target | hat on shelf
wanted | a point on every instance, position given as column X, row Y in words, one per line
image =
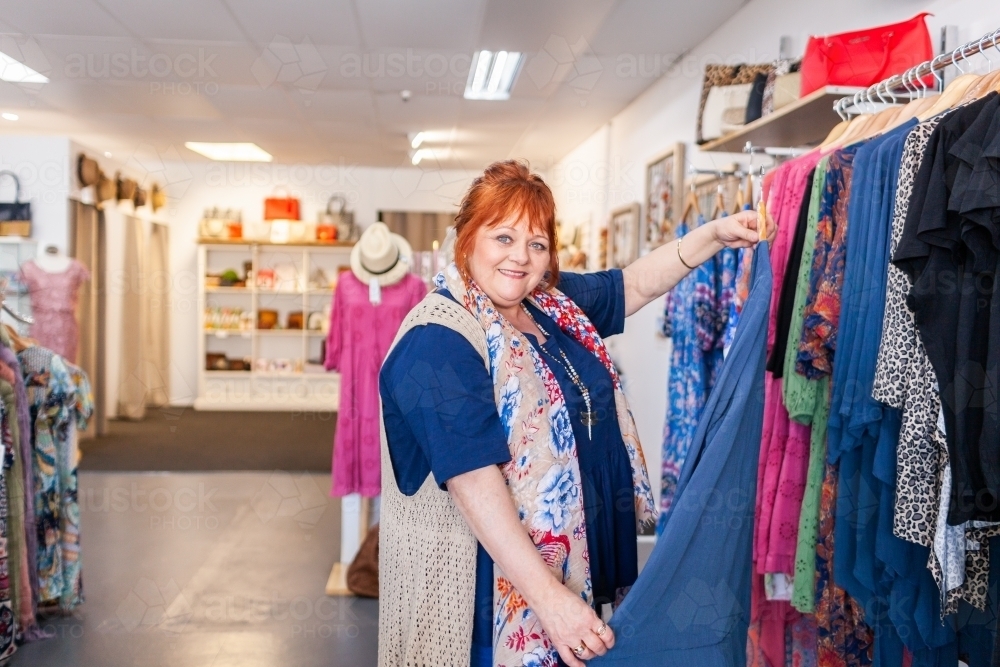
column 382, row 255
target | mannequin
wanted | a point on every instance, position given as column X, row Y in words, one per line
column 53, row 260
column 53, row 281
column 370, row 303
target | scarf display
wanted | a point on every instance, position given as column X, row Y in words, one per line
column 544, row 472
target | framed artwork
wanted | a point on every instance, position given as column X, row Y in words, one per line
column 664, row 183
column 624, row 230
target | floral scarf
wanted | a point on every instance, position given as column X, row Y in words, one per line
column 544, row 473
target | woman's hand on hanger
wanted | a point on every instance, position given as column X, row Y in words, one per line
column 657, row 273
column 740, row 230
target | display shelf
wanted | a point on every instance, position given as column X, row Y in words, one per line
column 229, row 333
column 805, row 122
column 299, row 244
column 228, row 290
column 270, row 391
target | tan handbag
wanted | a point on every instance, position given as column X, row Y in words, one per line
column 126, row 187
column 139, row 198
column 87, row 170
column 105, row 189
column 157, row 197
column 362, row 575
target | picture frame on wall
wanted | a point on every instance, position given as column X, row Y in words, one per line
column 664, row 185
column 624, row 231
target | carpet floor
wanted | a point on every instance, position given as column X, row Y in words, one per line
column 176, row 439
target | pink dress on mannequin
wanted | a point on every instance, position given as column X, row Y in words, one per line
column 53, row 305
column 359, row 339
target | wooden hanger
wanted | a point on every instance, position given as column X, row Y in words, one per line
column 719, row 209
column 17, row 342
column 835, row 133
column 691, row 203
column 739, row 201
column 879, row 124
column 951, row 96
column 853, row 131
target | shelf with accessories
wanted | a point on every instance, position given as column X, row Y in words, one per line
column 286, row 286
column 803, row 123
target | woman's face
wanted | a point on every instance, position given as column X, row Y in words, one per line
column 508, row 261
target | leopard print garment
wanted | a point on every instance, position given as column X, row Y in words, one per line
column 905, row 380
column 726, row 75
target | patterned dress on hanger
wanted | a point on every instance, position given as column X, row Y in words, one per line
column 53, row 305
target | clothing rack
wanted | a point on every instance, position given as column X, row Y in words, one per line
column 911, row 83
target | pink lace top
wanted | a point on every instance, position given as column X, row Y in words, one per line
column 53, row 305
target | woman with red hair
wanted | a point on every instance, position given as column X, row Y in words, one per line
column 513, row 479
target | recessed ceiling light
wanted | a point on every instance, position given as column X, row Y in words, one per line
column 229, row 152
column 418, row 139
column 9, row 116
column 492, row 75
column 15, row 71
column 107, row 153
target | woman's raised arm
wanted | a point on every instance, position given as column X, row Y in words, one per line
column 654, row 275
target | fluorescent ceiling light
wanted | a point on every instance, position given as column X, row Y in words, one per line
column 234, row 152
column 418, row 139
column 9, row 116
column 422, row 154
column 492, row 75
column 15, row 71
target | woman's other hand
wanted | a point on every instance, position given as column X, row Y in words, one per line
column 740, row 230
column 570, row 623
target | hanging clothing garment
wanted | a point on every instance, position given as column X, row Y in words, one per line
column 61, row 402
column 688, row 607
column 53, row 305
column 691, row 325
column 359, row 338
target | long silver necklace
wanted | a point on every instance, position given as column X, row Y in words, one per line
column 588, row 417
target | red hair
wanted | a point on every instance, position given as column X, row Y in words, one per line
column 507, row 189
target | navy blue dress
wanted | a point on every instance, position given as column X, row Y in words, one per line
column 441, row 418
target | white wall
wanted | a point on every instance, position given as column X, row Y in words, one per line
column 608, row 169
column 193, row 187
column 42, row 165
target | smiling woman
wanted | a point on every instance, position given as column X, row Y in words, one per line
column 513, row 478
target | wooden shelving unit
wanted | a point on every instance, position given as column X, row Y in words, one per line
column 805, row 122
column 307, row 390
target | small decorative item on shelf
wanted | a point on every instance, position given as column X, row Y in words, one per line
column 281, row 208
column 221, row 224
column 229, row 278
column 315, row 321
column 239, row 364
column 320, row 281
column 213, row 280
column 228, row 319
column 295, row 320
column 341, row 220
column 283, row 366
column 265, row 279
column 267, row 319
column 215, row 361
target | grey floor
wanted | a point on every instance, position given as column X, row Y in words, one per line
column 208, row 570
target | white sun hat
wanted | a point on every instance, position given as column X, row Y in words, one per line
column 380, row 255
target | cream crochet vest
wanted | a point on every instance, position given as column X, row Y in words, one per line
column 427, row 552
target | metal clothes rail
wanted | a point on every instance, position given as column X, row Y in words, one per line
column 912, row 82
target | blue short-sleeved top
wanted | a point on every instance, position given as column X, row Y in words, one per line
column 441, row 419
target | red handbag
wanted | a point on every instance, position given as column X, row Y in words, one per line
column 865, row 57
column 281, row 208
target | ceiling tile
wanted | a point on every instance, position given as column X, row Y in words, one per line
column 528, row 25
column 448, row 25
column 315, row 22
column 80, row 17
column 178, row 19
